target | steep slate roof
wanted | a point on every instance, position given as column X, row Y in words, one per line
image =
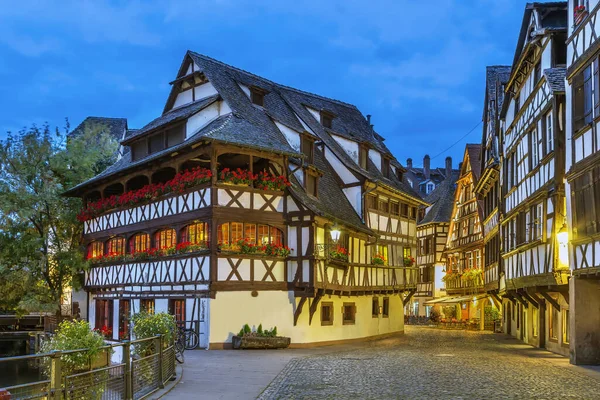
column 177, row 114
column 556, row 78
column 332, row 203
column 474, row 151
column 442, row 200
column 115, row 127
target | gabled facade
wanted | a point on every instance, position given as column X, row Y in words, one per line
column 432, row 236
column 583, row 179
column 251, row 202
column 533, row 199
column 464, row 249
column 488, row 186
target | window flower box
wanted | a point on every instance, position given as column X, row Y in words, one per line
column 378, row 259
column 580, row 13
column 340, row 253
column 409, row 261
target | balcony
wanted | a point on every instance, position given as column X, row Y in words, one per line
column 462, row 284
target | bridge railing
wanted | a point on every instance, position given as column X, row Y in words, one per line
column 128, row 370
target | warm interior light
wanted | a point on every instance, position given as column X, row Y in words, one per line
column 562, row 237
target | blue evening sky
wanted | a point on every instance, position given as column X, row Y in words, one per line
column 417, row 66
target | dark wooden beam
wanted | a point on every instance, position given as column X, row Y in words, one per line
column 410, row 295
column 496, row 297
column 530, row 299
column 550, row 300
column 313, row 306
column 299, row 309
column 520, row 299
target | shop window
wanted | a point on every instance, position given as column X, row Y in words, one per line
column 375, row 307
column 124, row 316
column 95, row 249
column 104, row 314
column 386, row 307
column 327, row 313
column 349, row 314
column 196, row 233
column 115, row 246
column 139, row 242
column 147, row 306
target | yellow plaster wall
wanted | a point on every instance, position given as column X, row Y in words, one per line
column 229, row 311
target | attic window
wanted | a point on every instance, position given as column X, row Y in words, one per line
column 326, row 119
column 385, row 167
column 310, row 183
column 363, row 154
column 307, row 148
column 257, row 96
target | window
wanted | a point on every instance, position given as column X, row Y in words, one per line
column 139, row 149
column 156, row 143
column 115, row 246
column 404, row 210
column 537, row 221
column 139, row 242
column 394, row 208
column 165, row 238
column 386, row 307
column 371, row 202
column 477, row 259
column 104, row 314
column 349, row 314
column 536, row 146
column 196, row 233
column 385, row 167
column 232, row 232
column 95, row 249
column 537, row 73
column 147, row 306
column 586, row 203
column 310, row 182
column 553, row 323
column 363, row 154
column 383, row 205
column 582, row 98
column 327, row 313
column 257, row 96
column 406, row 252
column 382, row 250
column 326, row 119
column 565, row 327
column 307, row 148
column 535, row 318
column 429, row 188
column 517, row 105
column 549, row 133
column 177, row 309
column 124, row 315
column 175, row 135
column 375, row 307
column 469, row 259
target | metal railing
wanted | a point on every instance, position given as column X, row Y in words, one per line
column 144, row 367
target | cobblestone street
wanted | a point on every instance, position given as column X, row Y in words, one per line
column 430, row 363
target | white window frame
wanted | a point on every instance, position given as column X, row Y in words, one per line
column 549, row 133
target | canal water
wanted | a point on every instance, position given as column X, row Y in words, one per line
column 16, row 372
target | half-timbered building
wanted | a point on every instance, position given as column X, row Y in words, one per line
column 464, row 246
column 432, row 236
column 425, row 179
column 488, row 186
column 535, row 308
column 248, row 201
column 583, row 179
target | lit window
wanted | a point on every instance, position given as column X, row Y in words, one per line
column 95, row 249
column 196, row 233
column 565, row 327
column 116, row 246
column 139, row 242
column 165, row 238
column 147, row 306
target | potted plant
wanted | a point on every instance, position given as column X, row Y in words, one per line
column 340, row 253
column 259, row 339
column 378, row 259
column 409, row 261
column 579, row 14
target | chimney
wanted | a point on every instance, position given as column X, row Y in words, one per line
column 460, row 166
column 409, row 163
column 426, row 165
column 448, row 167
column 369, row 118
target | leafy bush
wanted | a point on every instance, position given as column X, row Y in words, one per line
column 260, row 332
column 450, row 311
column 149, row 325
column 74, row 335
column 491, row 313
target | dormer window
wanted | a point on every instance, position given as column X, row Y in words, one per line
column 307, row 148
column 257, row 96
column 310, row 183
column 385, row 166
column 327, row 119
column 363, row 155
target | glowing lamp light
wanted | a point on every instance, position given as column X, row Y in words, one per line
column 335, row 234
column 563, row 235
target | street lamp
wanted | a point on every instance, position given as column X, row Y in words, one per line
column 335, row 233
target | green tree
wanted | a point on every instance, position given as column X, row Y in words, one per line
column 39, row 234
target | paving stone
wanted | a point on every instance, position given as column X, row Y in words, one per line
column 429, row 363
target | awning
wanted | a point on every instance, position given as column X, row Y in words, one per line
column 459, row 299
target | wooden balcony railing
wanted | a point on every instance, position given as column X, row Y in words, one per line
column 460, row 285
